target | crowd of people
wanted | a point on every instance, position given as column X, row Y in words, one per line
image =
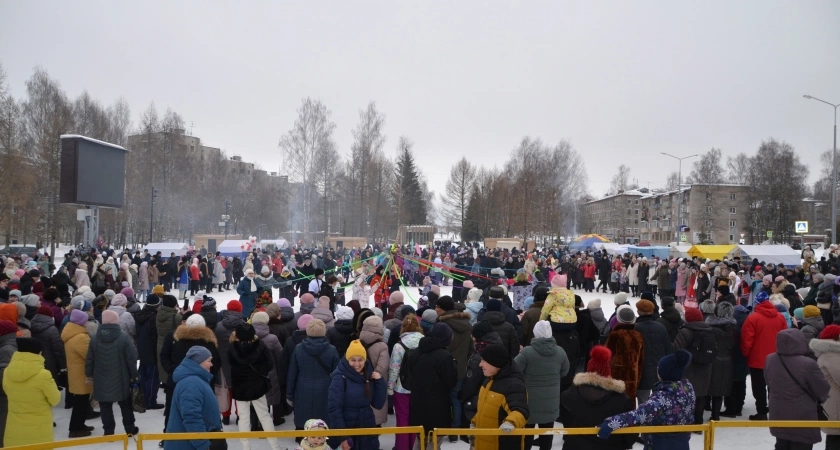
column 512, row 347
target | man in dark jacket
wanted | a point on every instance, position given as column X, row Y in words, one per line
column 657, row 345
column 498, row 293
column 147, row 337
column 433, row 377
column 459, row 347
column 497, row 321
column 670, row 318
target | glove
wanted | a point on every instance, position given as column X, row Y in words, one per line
column 507, row 427
column 605, row 431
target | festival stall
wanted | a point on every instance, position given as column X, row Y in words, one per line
column 650, row 252
column 587, row 241
column 712, row 252
column 235, row 247
column 776, row 254
column 167, row 248
column 279, row 244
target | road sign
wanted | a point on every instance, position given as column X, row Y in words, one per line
column 683, row 237
column 769, row 235
column 801, row 226
column 742, row 236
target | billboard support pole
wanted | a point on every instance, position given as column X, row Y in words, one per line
column 91, row 226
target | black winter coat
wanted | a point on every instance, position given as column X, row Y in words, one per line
column 146, row 328
column 286, row 357
column 211, row 317
column 340, row 335
column 590, row 401
column 587, row 332
column 657, row 345
column 510, row 315
column 722, row 368
column 673, row 322
column 433, row 375
column 505, row 331
column 278, row 328
column 250, row 363
column 475, row 377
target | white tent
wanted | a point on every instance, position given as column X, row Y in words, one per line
column 279, row 243
column 608, row 246
column 776, row 254
column 680, row 251
column 232, row 247
column 167, row 248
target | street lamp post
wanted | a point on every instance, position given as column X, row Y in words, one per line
column 152, row 214
column 833, row 172
column 679, row 190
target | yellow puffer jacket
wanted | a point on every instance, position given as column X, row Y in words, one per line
column 76, row 343
column 32, row 394
column 502, row 398
column 559, row 307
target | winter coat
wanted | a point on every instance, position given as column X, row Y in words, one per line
column 600, row 322
column 143, row 283
column 250, row 366
column 218, row 273
column 700, row 375
column 273, row 396
column 520, row 291
column 340, row 335
column 406, row 342
column 277, row 327
column 76, row 343
column 786, row 399
column 682, row 282
column 543, row 363
column 663, row 278
column 461, row 338
column 670, row 403
column 127, row 323
column 43, row 329
column 353, row 399
column 633, row 274
column 672, row 320
column 505, row 331
column 324, row 314
column 226, row 326
column 758, row 334
column 286, row 358
column 81, row 278
column 211, row 317
column 432, row 377
column 529, row 319
column 112, row 363
column 377, row 353
column 308, row 382
column 627, row 346
column 812, row 327
column 726, row 336
column 474, row 378
column 194, row 406
column 145, row 321
column 510, row 315
column 166, row 321
column 559, row 307
column 502, row 398
column 657, row 344
column 305, row 308
column 246, row 297
column 828, row 359
column 287, row 315
column 587, row 404
column 8, row 347
column 474, row 309
column 184, row 338
column 32, row 393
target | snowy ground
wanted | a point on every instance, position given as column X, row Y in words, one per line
column 152, row 421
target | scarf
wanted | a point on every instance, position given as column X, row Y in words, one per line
column 253, row 285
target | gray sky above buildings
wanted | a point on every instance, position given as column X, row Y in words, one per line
column 622, row 81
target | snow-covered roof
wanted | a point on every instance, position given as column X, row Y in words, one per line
column 95, row 141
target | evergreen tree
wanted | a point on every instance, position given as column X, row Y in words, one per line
column 470, row 229
column 410, row 199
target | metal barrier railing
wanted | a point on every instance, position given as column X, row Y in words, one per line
column 75, row 443
column 714, row 425
column 705, row 429
column 279, row 434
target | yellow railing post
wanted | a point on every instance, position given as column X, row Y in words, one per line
column 80, row 442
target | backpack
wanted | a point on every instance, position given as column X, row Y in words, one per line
column 409, row 354
column 704, row 347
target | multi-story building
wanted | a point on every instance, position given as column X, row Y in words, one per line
column 702, row 214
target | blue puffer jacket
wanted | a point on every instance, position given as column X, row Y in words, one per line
column 349, row 407
column 308, row 383
column 194, row 406
column 246, row 297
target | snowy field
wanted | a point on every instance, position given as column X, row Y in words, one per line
column 152, row 421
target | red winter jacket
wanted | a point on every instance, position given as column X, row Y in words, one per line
column 589, row 271
column 758, row 335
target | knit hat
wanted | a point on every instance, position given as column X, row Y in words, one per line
column 496, row 292
column 234, row 305
column 198, row 354
column 693, row 315
column 245, row 332
column 128, row 292
column 15, row 293
column 671, row 367
column 119, row 300
column 80, row 318
column 303, row 321
column 396, row 297
column 109, row 294
column 430, row 316
column 781, row 308
column 473, row 295
column 31, row 300
column 761, row 297
column 542, row 329
column 599, row 361
column 442, row 333
column 647, row 295
column 152, row 300
column 707, row 306
column 644, row 307
column 8, row 327
column 668, row 302
column 208, row 304
column 725, row 310
column 89, row 296
column 196, row 320
column 45, row 311
column 830, row 332
column 723, row 289
column 625, row 314
column 355, row 349
column 407, row 310
column 496, row 355
column 447, row 304
column 284, row 303
column 594, row 304
column 51, row 294
column 481, row 329
column 260, row 317
column 468, row 284
column 307, row 298
column 170, row 301
column 316, row 328
column 376, row 311
column 810, row 311
column 768, row 278
column 798, row 313
column 559, row 280
column 435, row 289
column 620, row 299
column 82, row 290
column 29, row 345
column 345, row 313
column 109, row 316
column 493, row 305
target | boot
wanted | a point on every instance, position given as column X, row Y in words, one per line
column 728, row 413
column 758, row 416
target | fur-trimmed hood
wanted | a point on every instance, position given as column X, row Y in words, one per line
column 593, row 379
column 820, row 346
column 195, row 333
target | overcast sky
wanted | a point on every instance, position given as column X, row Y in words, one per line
column 622, row 81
